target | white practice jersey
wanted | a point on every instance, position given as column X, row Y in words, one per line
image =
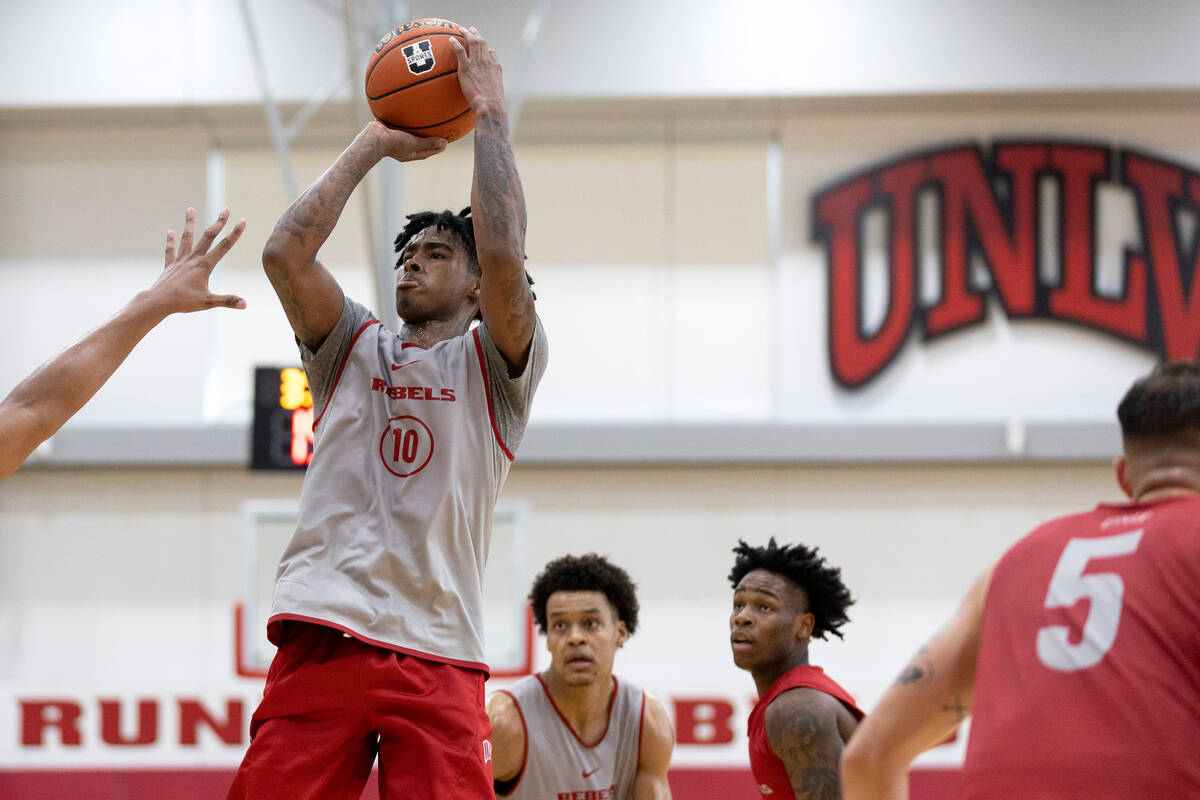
column 410, row 451
column 557, row 762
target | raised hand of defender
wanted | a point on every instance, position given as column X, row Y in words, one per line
column 479, row 73
column 401, row 145
column 183, row 284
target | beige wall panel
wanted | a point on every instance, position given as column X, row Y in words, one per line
column 96, row 191
column 719, row 202
column 441, row 182
column 595, row 203
column 135, row 566
column 254, row 182
column 608, row 340
column 720, row 364
column 583, row 122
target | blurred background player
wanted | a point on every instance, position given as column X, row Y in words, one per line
column 575, row 730
column 782, row 597
column 1078, row 652
column 378, row 606
column 39, row 405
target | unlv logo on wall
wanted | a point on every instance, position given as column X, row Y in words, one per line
column 419, row 56
column 989, row 209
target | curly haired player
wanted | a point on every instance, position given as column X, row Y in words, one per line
column 782, row 597
column 575, row 730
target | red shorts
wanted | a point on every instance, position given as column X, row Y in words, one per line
column 331, row 703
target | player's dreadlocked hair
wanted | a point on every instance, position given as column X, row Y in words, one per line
column 1164, row 403
column 460, row 223
column 447, row 220
column 828, row 597
column 587, row 573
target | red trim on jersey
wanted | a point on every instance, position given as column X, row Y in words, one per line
column 641, row 726
column 341, row 367
column 408, row 651
column 487, row 389
column 612, row 701
column 406, row 345
column 524, row 755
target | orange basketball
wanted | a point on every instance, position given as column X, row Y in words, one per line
column 412, row 80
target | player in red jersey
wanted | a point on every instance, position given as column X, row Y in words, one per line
column 782, row 597
column 1078, row 652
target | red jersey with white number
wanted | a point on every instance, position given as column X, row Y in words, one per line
column 1088, row 682
column 769, row 772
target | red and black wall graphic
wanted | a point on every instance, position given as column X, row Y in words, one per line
column 989, row 210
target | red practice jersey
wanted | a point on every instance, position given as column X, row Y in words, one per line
column 769, row 772
column 1088, row 682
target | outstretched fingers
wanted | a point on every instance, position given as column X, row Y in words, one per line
column 218, row 252
column 210, row 233
column 169, row 255
column 189, row 226
column 227, row 243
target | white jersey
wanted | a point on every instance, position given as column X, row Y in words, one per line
column 410, row 451
column 557, row 762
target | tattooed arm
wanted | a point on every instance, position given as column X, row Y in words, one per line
column 802, row 728
column 497, row 207
column 310, row 296
column 931, row 696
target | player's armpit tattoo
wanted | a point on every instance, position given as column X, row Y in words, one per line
column 910, row 674
column 917, row 670
column 920, row 668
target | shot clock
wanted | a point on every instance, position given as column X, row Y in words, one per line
column 283, row 417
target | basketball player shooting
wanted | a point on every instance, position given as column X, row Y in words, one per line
column 575, row 730
column 1078, row 653
column 42, row 403
column 378, row 606
column 782, row 597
